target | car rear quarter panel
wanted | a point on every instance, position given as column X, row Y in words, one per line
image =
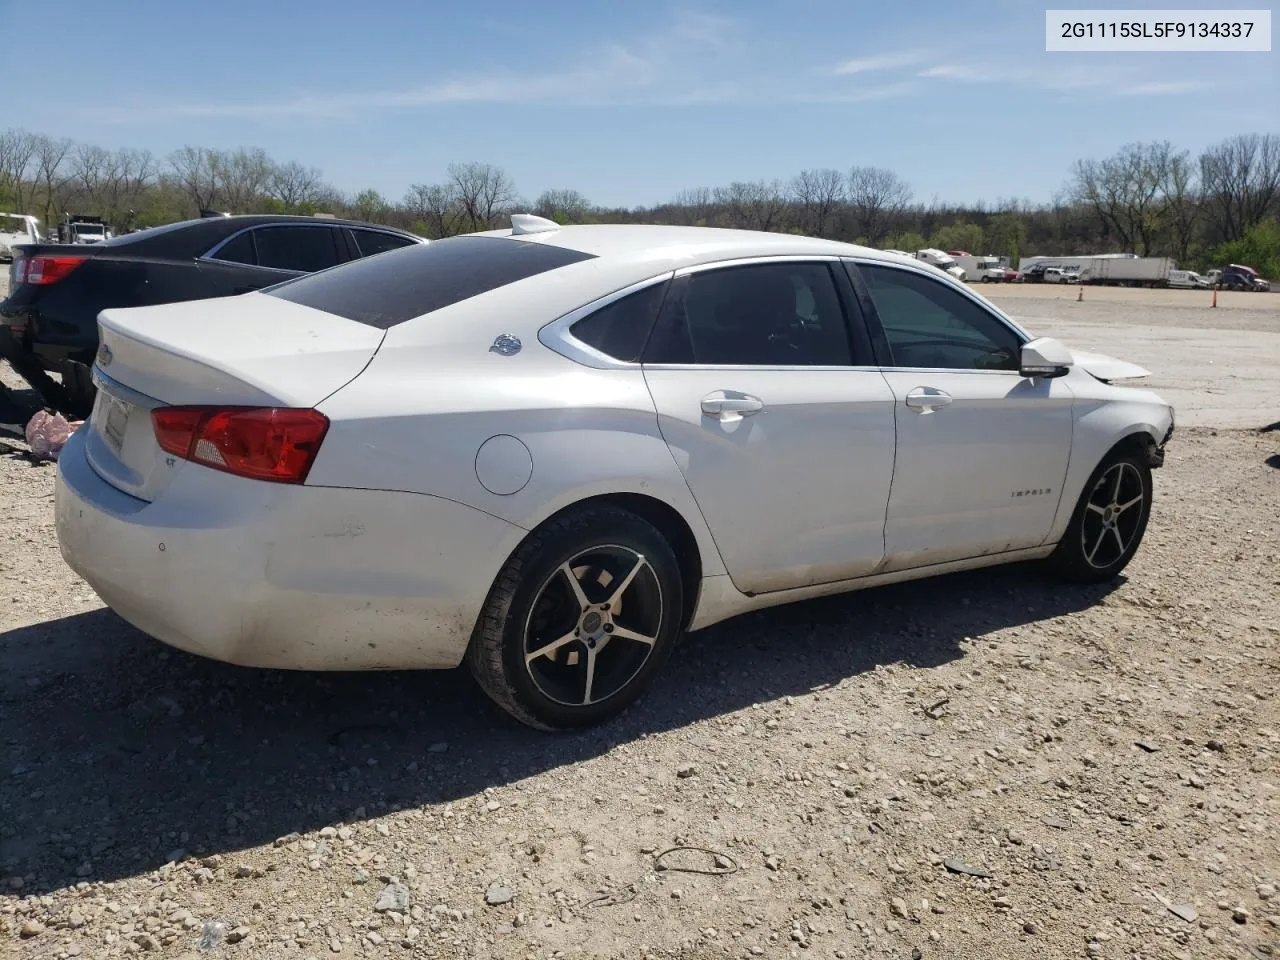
column 416, row 419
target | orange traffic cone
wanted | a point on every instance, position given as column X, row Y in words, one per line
column 1215, row 297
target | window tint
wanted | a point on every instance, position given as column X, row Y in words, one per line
column 422, row 277
column 928, row 324
column 369, row 242
column 238, row 250
column 776, row 314
column 296, row 248
column 620, row 329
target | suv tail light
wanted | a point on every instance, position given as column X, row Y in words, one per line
column 262, row 443
column 42, row 270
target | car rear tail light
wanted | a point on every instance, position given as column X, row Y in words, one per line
column 262, row 443
column 42, row 270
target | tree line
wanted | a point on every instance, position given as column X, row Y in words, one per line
column 1147, row 198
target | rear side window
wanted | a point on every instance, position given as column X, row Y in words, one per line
column 306, row 249
column 620, row 329
column 369, row 242
column 238, row 250
column 423, row 277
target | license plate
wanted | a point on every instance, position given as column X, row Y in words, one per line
column 117, row 420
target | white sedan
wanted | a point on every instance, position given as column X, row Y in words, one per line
column 550, row 451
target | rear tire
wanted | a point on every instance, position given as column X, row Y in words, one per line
column 580, row 620
column 1109, row 520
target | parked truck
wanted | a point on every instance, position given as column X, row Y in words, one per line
column 942, row 260
column 1116, row 269
column 1236, row 276
column 988, row 269
column 82, row 228
column 17, row 228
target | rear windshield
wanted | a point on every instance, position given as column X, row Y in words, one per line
column 124, row 239
column 399, row 285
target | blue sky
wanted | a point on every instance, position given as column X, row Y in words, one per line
column 628, row 103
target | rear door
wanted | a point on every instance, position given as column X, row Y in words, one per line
column 982, row 451
column 769, row 400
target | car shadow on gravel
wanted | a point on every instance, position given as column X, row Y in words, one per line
column 123, row 752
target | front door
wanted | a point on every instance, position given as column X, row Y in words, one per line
column 780, row 423
column 982, row 451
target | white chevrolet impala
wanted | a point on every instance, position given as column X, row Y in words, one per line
column 551, row 451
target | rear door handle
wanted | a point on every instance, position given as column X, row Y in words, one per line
column 731, row 405
column 927, row 399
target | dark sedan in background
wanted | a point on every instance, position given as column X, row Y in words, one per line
column 49, row 321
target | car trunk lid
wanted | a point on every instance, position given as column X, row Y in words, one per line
column 252, row 350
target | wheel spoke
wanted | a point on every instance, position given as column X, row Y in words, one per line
column 1132, row 503
column 591, row 675
column 1119, row 539
column 1115, row 487
column 625, row 634
column 1101, row 536
column 550, row 648
column 626, row 581
column 1095, row 508
column 578, row 594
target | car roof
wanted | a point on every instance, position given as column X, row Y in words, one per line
column 192, row 238
column 656, row 247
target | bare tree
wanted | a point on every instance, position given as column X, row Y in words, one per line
column 876, row 196
column 436, row 206
column 483, row 192
column 1241, row 180
column 17, row 150
column 243, row 177
column 50, row 156
column 819, row 193
column 755, row 205
column 111, row 183
column 692, row 207
column 196, row 169
column 1124, row 191
column 294, row 185
column 1182, row 203
column 563, row 206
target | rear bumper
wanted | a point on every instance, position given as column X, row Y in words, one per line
column 274, row 575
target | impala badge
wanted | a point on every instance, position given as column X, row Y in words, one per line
column 104, row 356
column 505, row 345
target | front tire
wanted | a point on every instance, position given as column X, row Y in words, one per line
column 1109, row 520
column 580, row 620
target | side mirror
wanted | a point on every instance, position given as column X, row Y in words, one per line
column 1045, row 357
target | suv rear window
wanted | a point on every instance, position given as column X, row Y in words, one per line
column 399, row 285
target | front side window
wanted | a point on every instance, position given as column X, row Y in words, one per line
column 305, row 249
column 930, row 325
column 771, row 314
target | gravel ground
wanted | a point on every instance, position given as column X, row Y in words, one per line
column 1014, row 769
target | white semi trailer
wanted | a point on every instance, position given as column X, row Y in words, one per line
column 1120, row 270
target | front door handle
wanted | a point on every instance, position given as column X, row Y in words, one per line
column 731, row 405
column 927, row 399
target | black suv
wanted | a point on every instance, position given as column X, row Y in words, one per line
column 49, row 322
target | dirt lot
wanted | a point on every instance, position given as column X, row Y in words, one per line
column 1108, row 759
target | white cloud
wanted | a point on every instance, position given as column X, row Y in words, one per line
column 963, row 72
column 884, row 91
column 1166, row 88
column 888, row 61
